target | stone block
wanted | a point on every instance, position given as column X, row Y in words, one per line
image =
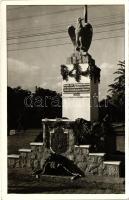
column 92, row 169
column 111, row 168
column 79, row 158
column 70, row 150
column 45, row 155
column 94, row 164
column 12, row 132
column 41, row 148
column 71, row 135
column 10, row 163
column 32, row 163
column 33, row 148
column 33, row 155
column 36, row 164
column 25, row 157
column 17, row 164
column 23, row 154
column 100, row 169
column 27, row 162
column 77, row 150
column 13, row 161
column 85, row 149
column 22, row 162
column 82, row 166
column 96, row 157
column 39, row 155
column 37, row 146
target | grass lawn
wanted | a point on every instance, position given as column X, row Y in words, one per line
column 21, row 181
column 21, row 140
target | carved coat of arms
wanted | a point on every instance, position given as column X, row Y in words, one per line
column 59, row 141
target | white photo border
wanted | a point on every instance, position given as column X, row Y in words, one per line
column 3, row 101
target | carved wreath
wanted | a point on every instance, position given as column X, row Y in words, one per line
column 76, row 72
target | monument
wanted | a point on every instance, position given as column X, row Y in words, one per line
column 80, row 75
column 60, row 148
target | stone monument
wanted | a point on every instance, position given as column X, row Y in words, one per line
column 80, row 76
column 60, row 148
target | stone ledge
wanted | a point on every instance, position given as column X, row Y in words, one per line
column 57, row 120
column 97, row 154
column 112, row 162
column 25, row 150
column 82, row 146
column 52, row 131
column 36, row 143
column 15, row 156
column 66, row 132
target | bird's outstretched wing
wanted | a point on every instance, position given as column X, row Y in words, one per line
column 87, row 36
column 71, row 32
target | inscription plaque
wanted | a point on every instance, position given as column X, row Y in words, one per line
column 78, row 96
column 76, row 88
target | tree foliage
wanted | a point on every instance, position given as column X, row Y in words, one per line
column 26, row 109
column 116, row 97
column 117, row 89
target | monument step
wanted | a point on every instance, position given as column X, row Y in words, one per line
column 81, row 150
column 25, row 158
column 89, row 163
column 97, row 154
column 83, row 146
column 15, row 156
column 25, row 150
column 36, row 143
column 112, row 168
column 112, row 162
column 13, row 160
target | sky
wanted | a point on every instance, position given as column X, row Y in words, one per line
column 38, row 43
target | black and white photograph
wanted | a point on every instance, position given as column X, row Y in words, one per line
column 65, row 98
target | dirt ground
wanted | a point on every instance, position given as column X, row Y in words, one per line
column 21, row 181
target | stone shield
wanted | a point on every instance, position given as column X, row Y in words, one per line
column 59, row 141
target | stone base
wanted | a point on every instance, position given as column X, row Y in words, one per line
column 88, row 163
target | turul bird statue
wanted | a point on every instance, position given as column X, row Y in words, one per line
column 81, row 36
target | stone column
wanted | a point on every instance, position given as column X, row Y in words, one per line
column 80, row 87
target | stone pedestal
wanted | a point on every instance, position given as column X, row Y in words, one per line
column 80, row 88
column 60, row 141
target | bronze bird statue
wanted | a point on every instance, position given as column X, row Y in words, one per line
column 81, row 36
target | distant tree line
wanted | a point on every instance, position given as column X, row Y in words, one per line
column 26, row 109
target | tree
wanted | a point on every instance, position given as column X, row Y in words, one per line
column 26, row 109
column 15, row 107
column 117, row 90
